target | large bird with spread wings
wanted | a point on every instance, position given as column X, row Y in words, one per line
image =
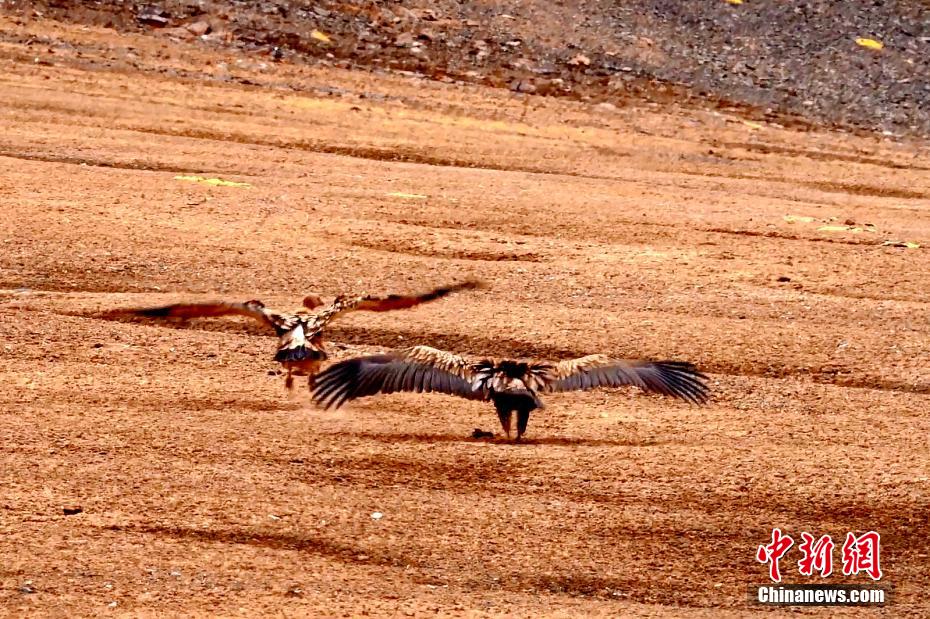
column 513, row 386
column 300, row 334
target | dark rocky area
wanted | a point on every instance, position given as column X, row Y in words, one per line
column 769, row 57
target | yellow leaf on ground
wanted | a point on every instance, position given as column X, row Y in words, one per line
column 400, row 194
column 752, row 125
column 734, row 1
column 869, row 43
column 320, row 36
column 216, row 182
column 802, row 218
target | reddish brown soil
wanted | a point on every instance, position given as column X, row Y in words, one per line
column 650, row 232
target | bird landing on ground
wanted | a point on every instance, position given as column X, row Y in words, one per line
column 301, row 350
column 512, row 385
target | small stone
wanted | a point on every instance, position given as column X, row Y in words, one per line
column 579, row 60
column 522, row 86
column 377, row 515
column 198, row 28
column 71, row 510
column 783, row 278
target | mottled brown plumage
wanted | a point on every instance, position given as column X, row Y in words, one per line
column 300, row 334
column 510, row 385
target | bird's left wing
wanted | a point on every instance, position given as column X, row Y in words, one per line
column 418, row 369
column 679, row 379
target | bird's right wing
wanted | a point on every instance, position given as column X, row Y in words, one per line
column 678, row 379
column 207, row 310
column 418, row 369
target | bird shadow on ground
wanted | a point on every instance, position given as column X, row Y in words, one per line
column 564, row 441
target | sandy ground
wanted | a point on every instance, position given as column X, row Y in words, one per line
column 640, row 232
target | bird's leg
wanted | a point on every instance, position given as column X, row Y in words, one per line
column 311, row 374
column 505, row 417
column 289, row 381
column 523, row 418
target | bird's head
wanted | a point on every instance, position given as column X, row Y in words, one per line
column 312, row 301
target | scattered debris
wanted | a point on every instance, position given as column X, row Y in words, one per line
column 579, row 60
column 216, row 182
column 400, row 194
column 198, row 28
column 848, row 228
column 320, row 36
column 869, row 43
column 153, row 16
column 905, row 244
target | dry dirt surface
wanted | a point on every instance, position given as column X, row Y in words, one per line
column 152, row 470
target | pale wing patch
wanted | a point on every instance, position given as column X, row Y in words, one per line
column 441, row 360
column 566, row 368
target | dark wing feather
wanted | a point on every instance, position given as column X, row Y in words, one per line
column 366, row 376
column 400, row 301
column 678, row 379
column 202, row 310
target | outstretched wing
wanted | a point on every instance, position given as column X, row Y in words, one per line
column 679, row 379
column 418, row 369
column 389, row 303
column 398, row 301
column 214, row 309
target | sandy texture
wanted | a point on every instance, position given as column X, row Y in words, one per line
column 205, row 490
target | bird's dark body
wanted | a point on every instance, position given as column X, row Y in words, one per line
column 522, row 402
column 300, row 353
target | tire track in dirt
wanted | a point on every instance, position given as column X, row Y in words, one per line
column 768, row 148
column 398, row 154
